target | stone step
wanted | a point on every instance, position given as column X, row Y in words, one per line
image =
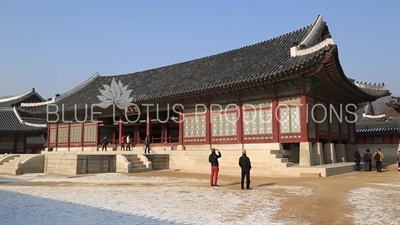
column 139, row 170
column 135, row 160
column 276, row 152
column 278, row 156
column 18, row 159
column 310, row 174
column 279, row 160
column 288, row 164
column 138, row 166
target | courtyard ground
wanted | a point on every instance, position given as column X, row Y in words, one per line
column 177, row 197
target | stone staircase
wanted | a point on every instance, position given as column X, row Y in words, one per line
column 277, row 159
column 137, row 166
column 9, row 165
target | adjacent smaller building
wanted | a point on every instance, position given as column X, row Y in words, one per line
column 380, row 130
column 21, row 132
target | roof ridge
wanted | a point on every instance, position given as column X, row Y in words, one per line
column 34, row 104
column 373, row 116
column 313, row 42
column 365, row 85
column 217, row 54
column 16, row 96
column 77, row 88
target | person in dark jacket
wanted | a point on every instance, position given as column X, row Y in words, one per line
column 245, row 165
column 147, row 144
column 213, row 159
column 367, row 158
column 104, row 143
column 357, row 159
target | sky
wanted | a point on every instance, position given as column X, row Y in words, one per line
column 56, row 45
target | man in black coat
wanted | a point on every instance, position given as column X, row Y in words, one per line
column 147, row 144
column 104, row 143
column 245, row 165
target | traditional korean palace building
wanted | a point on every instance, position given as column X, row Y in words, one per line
column 276, row 95
column 20, row 132
column 382, row 131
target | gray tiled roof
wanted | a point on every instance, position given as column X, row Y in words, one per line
column 390, row 126
column 13, row 100
column 255, row 64
column 9, row 122
column 394, row 103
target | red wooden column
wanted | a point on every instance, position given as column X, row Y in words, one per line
column 97, row 136
column 208, row 124
column 15, row 146
column 25, row 145
column 181, row 127
column 48, row 135
column 164, row 132
column 82, row 134
column 303, row 117
column 351, row 128
column 148, row 124
column 120, row 128
column 239, row 124
column 340, row 125
column 315, row 114
column 113, row 141
column 275, row 120
column 69, row 136
column 57, row 136
column 136, row 134
column 328, row 116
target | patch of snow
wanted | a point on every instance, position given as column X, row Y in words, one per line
column 102, row 178
column 350, row 177
column 294, row 190
column 393, row 184
column 376, row 205
column 136, row 205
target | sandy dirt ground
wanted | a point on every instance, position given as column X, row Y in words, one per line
column 328, row 204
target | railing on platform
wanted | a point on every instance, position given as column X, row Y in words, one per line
column 154, row 140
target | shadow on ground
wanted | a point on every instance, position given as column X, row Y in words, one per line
column 4, row 180
column 263, row 185
column 50, row 211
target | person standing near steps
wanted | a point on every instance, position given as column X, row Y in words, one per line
column 213, row 159
column 245, row 165
column 147, row 144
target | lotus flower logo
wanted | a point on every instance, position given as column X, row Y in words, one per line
column 116, row 94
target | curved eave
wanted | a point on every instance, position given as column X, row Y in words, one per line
column 336, row 73
column 371, row 128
